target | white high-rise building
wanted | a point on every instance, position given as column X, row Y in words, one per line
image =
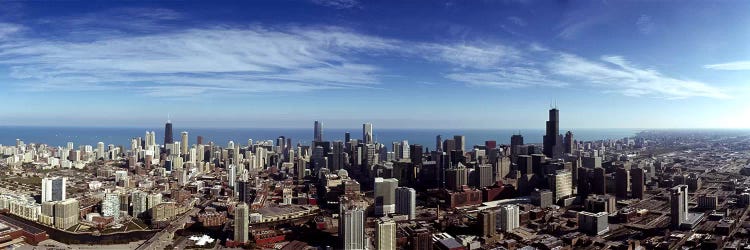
column 184, row 144
column 66, row 213
column 241, row 223
column 385, row 196
column 508, row 218
column 152, row 200
column 405, row 154
column 100, row 150
column 678, row 199
column 406, row 200
column 232, row 175
column 53, row 188
column 150, row 139
column 385, row 234
column 562, row 186
column 352, row 227
column 111, row 205
column 134, row 149
column 140, row 204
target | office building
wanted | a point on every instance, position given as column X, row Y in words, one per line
column 111, row 206
column 460, row 141
column 439, row 143
column 184, row 146
column 484, row 176
column 599, row 181
column 456, row 178
column 100, row 150
column 406, row 201
column 622, row 182
column 385, row 234
column 385, row 196
column 318, row 132
column 53, row 188
column 152, row 200
column 352, row 226
column 508, row 218
column 46, row 213
column 516, row 141
column 232, row 175
column 140, row 204
column 242, row 223
column 678, row 199
column 593, row 223
column 168, row 136
column 337, row 156
column 568, row 143
column 67, row 213
column 591, row 162
column 524, row 164
column 415, row 154
column 542, row 198
column 708, row 202
column 245, row 192
column 367, row 136
column 638, row 183
column 553, row 147
column 487, row 220
column 562, row 185
column 600, row 203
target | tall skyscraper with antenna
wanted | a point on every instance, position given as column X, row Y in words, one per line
column 553, row 141
column 168, row 136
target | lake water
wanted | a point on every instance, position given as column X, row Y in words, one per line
column 60, row 136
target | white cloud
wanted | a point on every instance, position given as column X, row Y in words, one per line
column 338, row 4
column 220, row 59
column 645, row 24
column 217, row 59
column 470, row 56
column 517, row 21
column 738, row 65
column 509, row 77
column 7, row 29
column 615, row 74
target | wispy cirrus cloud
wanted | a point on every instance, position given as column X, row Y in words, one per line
column 338, row 4
column 645, row 24
column 7, row 29
column 251, row 59
column 737, row 65
column 471, row 56
column 616, row 74
column 510, row 77
column 164, row 60
column 517, row 21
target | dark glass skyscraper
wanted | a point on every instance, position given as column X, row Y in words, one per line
column 318, row 131
column 168, row 133
column 553, row 139
column 569, row 144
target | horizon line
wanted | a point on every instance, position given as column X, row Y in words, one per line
column 388, row 128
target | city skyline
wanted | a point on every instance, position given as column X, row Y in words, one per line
column 484, row 64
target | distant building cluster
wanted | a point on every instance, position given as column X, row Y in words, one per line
column 655, row 190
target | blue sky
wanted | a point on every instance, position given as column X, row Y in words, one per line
column 411, row 64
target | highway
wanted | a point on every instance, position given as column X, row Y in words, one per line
column 164, row 237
